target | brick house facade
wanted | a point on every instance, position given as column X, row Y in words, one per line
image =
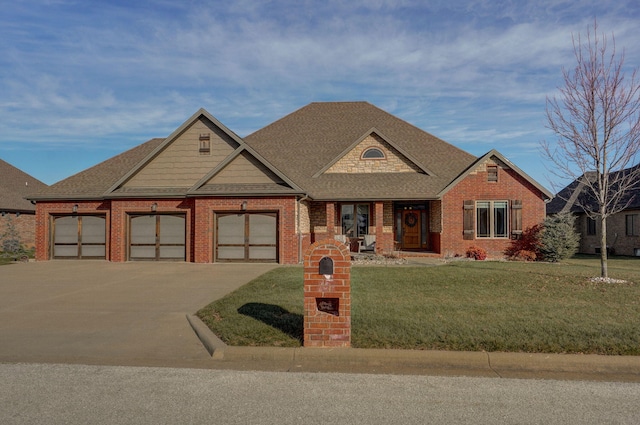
column 623, row 228
column 329, row 170
column 16, row 212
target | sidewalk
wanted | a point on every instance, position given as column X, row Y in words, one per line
column 419, row 362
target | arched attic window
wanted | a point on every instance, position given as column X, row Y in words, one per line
column 373, row 153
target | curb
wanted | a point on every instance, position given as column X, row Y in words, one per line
column 419, row 362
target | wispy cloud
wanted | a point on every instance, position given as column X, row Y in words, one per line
column 474, row 73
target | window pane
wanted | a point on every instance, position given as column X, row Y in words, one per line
column 500, row 219
column 482, row 214
column 347, row 220
column 363, row 219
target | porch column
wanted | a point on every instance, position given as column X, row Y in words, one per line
column 331, row 219
column 378, row 207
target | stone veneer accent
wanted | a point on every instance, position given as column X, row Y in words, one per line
column 394, row 161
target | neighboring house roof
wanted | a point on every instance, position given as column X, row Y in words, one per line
column 304, row 143
column 15, row 185
column 576, row 196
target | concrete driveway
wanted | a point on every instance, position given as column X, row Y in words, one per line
column 96, row 312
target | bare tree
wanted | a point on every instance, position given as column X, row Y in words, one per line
column 596, row 119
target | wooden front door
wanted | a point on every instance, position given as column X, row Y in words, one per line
column 411, row 229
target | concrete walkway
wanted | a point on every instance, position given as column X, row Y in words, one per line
column 141, row 314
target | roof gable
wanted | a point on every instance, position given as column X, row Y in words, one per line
column 308, row 142
column 351, row 160
column 497, row 157
column 243, row 172
column 183, row 158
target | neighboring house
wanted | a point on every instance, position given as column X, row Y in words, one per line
column 15, row 210
column 623, row 228
column 204, row 194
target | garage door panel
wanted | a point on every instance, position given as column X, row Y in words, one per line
column 93, row 230
column 65, row 251
column 262, row 229
column 231, row 252
column 66, row 230
column 158, row 237
column 171, row 252
column 79, row 236
column 143, row 229
column 262, row 253
column 231, row 229
column 172, row 230
column 247, row 237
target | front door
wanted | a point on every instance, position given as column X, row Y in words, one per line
column 411, row 229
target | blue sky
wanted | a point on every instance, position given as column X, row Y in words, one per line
column 83, row 80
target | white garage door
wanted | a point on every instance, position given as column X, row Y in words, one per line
column 247, row 237
column 79, row 237
column 157, row 237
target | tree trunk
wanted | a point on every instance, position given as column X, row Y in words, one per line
column 604, row 272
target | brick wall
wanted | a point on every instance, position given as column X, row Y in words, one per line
column 327, row 327
column 510, row 186
column 204, row 224
column 45, row 211
column 199, row 223
column 617, row 238
column 24, row 225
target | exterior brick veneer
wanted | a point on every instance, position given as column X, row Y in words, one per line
column 24, row 224
column 510, row 186
column 200, row 226
column 323, row 329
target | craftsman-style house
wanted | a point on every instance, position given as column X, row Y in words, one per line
column 344, row 170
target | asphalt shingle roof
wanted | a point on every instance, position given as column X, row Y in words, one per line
column 305, row 141
column 93, row 182
column 15, row 184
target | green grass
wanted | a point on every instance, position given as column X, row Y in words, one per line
column 492, row 306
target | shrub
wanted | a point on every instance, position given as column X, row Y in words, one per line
column 476, row 253
column 559, row 238
column 527, row 246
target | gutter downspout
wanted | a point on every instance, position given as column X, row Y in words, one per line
column 299, row 203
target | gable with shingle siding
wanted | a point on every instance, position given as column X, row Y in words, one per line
column 182, row 162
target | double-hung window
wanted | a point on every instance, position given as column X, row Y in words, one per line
column 491, row 219
column 354, row 219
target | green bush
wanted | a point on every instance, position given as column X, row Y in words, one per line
column 559, row 238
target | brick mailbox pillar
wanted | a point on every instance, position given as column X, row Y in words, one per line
column 327, row 295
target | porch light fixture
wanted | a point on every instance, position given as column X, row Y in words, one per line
column 3, row 213
column 243, row 206
column 154, row 207
column 18, row 214
column 75, row 208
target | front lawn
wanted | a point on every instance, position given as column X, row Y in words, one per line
column 463, row 305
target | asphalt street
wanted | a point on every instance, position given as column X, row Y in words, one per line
column 81, row 394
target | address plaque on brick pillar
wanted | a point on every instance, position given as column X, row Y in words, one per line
column 327, row 295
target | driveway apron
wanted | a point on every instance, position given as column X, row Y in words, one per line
column 97, row 312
